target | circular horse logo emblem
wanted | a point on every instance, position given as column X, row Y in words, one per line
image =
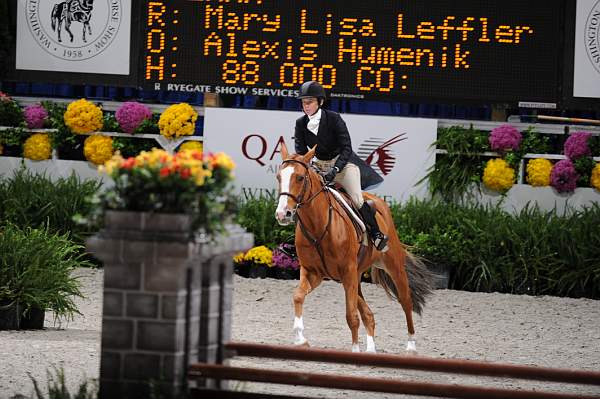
column 592, row 36
column 74, row 30
column 377, row 153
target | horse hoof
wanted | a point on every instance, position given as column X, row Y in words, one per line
column 355, row 348
column 303, row 342
column 411, row 347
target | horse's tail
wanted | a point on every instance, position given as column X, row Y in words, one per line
column 420, row 281
column 54, row 16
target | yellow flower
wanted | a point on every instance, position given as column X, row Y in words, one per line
column 37, row 147
column 223, row 160
column 595, row 179
column 260, row 256
column 538, row 172
column 98, row 149
column 239, row 258
column 83, row 116
column 178, row 120
column 498, row 176
column 191, row 145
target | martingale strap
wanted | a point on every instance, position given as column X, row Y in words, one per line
column 316, row 242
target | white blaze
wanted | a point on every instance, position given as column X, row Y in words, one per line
column 285, row 175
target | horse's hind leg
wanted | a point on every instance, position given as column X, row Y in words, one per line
column 394, row 261
column 350, row 282
column 308, row 282
column 368, row 320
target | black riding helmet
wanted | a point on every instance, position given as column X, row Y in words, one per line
column 311, row 89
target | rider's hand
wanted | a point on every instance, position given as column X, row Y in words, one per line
column 329, row 176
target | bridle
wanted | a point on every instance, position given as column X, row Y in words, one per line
column 316, row 242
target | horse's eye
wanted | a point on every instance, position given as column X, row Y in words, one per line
column 299, row 178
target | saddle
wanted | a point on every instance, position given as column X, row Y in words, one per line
column 345, row 201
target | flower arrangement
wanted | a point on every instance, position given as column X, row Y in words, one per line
column 10, row 112
column 191, row 145
column 178, row 120
column 131, row 115
column 498, row 175
column 284, row 257
column 35, row 116
column 595, row 178
column 37, row 147
column 98, row 149
column 83, row 116
column 505, row 138
column 156, row 181
column 564, row 176
column 577, row 145
column 538, row 172
column 260, row 255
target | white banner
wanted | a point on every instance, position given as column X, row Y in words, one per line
column 586, row 80
column 74, row 36
column 397, row 148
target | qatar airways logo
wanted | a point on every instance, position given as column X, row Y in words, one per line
column 375, row 151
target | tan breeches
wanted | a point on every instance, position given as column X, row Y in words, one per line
column 349, row 178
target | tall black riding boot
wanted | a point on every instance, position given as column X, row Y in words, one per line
column 379, row 239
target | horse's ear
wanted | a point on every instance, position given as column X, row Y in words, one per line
column 284, row 151
column 310, row 154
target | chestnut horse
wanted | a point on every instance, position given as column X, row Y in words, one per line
column 329, row 246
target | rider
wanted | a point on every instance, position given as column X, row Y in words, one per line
column 334, row 155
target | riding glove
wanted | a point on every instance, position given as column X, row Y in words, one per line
column 329, row 176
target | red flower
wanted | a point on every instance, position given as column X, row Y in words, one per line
column 185, row 173
column 129, row 163
column 164, row 172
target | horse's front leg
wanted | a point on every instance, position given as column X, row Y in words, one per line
column 350, row 282
column 308, row 282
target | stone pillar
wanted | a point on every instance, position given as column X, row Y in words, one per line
column 148, row 260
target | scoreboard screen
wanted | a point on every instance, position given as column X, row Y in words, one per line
column 467, row 50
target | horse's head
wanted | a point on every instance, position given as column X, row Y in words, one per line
column 295, row 185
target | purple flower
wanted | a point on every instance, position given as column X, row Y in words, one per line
column 131, row 114
column 284, row 257
column 577, row 146
column 563, row 176
column 35, row 116
column 505, row 138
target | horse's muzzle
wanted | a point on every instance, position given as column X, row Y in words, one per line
column 285, row 218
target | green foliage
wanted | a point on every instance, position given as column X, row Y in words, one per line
column 535, row 143
column 149, row 126
column 584, row 167
column 131, row 147
column 33, row 200
column 62, row 136
column 532, row 252
column 258, row 217
column 453, row 173
column 57, row 388
column 36, row 269
column 594, row 144
column 109, row 123
column 10, row 113
column 15, row 136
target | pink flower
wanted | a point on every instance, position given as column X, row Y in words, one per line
column 577, row 146
column 505, row 138
column 563, row 176
column 131, row 114
column 35, row 116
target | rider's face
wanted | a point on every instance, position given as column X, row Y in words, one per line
column 310, row 105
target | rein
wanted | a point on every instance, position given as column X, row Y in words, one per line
column 316, row 242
